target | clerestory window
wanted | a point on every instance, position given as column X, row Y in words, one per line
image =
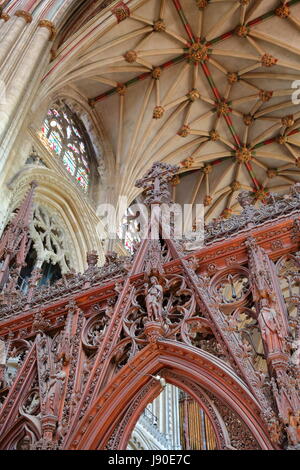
column 68, row 139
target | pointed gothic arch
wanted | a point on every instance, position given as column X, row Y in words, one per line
column 21, row 428
column 121, row 434
column 72, row 208
column 197, row 367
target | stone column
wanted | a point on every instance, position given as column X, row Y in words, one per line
column 23, row 74
column 4, row 17
column 16, row 25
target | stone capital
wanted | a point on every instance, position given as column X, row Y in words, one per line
column 50, row 26
column 4, row 16
column 24, row 14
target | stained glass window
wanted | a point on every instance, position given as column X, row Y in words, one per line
column 67, row 137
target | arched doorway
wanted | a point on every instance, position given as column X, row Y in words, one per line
column 173, row 421
column 110, row 420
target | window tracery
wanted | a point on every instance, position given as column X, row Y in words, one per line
column 50, row 238
column 67, row 138
column 49, row 249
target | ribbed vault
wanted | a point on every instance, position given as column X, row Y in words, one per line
column 206, row 84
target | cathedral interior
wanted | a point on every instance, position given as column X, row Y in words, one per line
column 111, row 339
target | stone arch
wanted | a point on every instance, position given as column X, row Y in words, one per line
column 22, row 427
column 197, row 366
column 71, row 207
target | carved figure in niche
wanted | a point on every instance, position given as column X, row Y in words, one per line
column 154, row 299
column 64, row 347
column 40, row 323
column 32, row 403
column 24, row 444
column 12, row 367
column 271, row 329
column 95, row 335
column 55, row 390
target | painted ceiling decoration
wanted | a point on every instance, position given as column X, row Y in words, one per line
column 205, row 84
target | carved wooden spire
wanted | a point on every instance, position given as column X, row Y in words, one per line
column 156, row 183
column 14, row 241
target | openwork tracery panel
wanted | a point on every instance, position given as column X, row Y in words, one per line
column 178, row 304
column 232, row 290
column 51, row 238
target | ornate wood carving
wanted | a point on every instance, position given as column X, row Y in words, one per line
column 224, row 308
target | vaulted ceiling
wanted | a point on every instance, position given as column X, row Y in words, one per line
column 205, row 84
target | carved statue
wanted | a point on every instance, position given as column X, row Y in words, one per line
column 12, row 367
column 55, row 390
column 24, row 444
column 96, row 335
column 64, row 348
column 270, row 329
column 32, row 404
column 154, row 299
